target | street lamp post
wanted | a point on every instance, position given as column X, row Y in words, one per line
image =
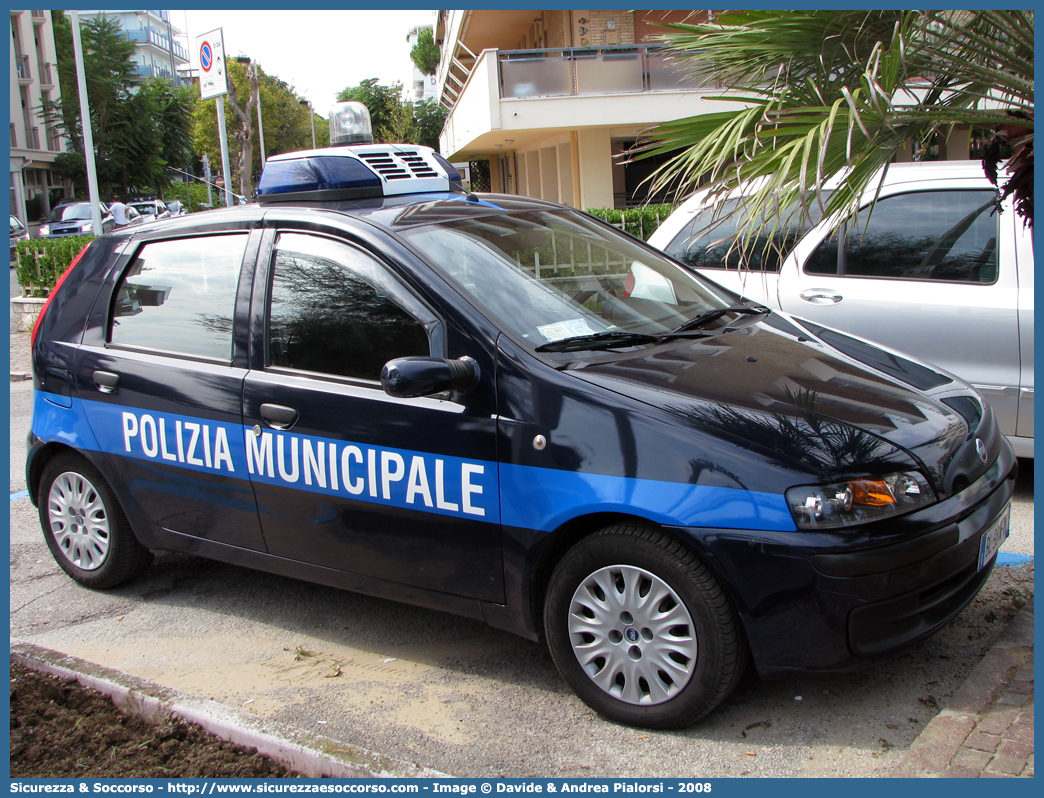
column 311, row 118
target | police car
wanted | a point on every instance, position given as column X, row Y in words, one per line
column 503, row 408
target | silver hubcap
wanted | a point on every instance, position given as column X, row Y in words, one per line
column 79, row 522
column 632, row 634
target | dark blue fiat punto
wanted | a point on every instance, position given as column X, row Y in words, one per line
column 506, row 409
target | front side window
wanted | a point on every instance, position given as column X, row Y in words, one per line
column 706, row 241
column 336, row 310
column 179, row 296
column 550, row 276
column 947, row 236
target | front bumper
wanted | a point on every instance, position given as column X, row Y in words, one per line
column 819, row 602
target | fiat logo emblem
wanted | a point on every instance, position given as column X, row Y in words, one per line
column 980, row 448
column 631, row 635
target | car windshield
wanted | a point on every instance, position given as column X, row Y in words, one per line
column 143, row 207
column 549, row 276
column 65, row 213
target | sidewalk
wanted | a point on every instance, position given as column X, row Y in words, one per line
column 987, row 729
column 21, row 365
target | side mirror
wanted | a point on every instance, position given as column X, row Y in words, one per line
column 407, row 377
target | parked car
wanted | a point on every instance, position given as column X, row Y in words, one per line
column 935, row 271
column 176, row 208
column 150, row 210
column 18, row 233
column 74, row 219
column 504, row 408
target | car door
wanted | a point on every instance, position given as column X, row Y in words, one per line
column 930, row 272
column 347, row 477
column 160, row 377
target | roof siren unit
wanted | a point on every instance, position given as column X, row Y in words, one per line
column 350, row 124
column 353, row 167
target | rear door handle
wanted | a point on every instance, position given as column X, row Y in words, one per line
column 279, row 416
column 821, row 296
column 106, row 381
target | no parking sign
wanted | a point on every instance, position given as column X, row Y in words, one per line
column 210, row 53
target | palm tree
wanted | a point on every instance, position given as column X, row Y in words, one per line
column 839, row 93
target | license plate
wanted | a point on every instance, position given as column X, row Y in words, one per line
column 993, row 537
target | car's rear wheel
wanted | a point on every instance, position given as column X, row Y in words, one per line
column 641, row 629
column 84, row 527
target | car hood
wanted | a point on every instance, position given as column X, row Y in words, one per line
column 826, row 402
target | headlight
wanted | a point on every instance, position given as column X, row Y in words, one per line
column 87, row 227
column 45, row 230
column 857, row 501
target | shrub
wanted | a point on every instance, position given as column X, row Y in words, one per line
column 41, row 261
column 639, row 222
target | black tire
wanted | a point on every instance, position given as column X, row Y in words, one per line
column 84, row 526
column 675, row 617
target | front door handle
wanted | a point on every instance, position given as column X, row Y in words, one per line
column 821, row 296
column 106, row 381
column 279, row 416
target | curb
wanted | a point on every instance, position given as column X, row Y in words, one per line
column 978, row 700
column 310, row 754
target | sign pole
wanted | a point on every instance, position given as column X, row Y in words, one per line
column 224, row 151
column 213, row 83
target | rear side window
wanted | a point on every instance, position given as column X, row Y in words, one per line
column 337, row 310
column 949, row 236
column 180, row 296
column 705, row 241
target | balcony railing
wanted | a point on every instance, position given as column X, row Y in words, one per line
column 38, row 16
column 22, row 68
column 46, row 79
column 159, row 40
column 32, row 138
column 587, row 71
column 54, row 141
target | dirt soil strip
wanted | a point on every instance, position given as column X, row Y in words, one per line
column 301, row 751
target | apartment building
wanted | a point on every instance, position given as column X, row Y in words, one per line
column 34, row 186
column 158, row 53
column 548, row 98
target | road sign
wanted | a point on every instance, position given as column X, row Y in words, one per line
column 210, row 54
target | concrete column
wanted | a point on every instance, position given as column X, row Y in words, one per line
column 595, row 155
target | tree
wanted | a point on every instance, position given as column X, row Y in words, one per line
column 395, row 120
column 287, row 127
column 839, row 93
column 425, row 53
column 138, row 127
column 428, row 118
column 383, row 102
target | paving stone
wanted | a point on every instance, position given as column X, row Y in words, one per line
column 983, row 742
column 961, row 773
column 1009, row 699
column 970, row 758
column 1017, row 749
column 997, row 719
column 1008, row 764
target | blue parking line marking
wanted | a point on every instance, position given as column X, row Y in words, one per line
column 22, row 494
column 1010, row 560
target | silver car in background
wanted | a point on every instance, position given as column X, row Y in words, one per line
column 935, row 271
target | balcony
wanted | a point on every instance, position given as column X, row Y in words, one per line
column 14, row 136
column 54, row 141
column 25, row 74
column 46, row 78
column 38, row 17
column 32, row 138
column 158, row 40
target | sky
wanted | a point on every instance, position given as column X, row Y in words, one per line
column 319, row 53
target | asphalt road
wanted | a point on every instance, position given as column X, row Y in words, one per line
column 459, row 697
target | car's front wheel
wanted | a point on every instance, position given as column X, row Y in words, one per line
column 641, row 629
column 84, row 527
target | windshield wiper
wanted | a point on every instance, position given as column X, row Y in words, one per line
column 708, row 316
column 601, row 340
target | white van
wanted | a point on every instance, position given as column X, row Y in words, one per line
column 935, row 271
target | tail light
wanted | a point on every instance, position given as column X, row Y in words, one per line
column 54, row 291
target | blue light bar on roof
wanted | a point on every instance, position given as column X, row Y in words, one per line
column 356, row 172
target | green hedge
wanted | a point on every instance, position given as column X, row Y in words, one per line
column 639, row 222
column 41, row 261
